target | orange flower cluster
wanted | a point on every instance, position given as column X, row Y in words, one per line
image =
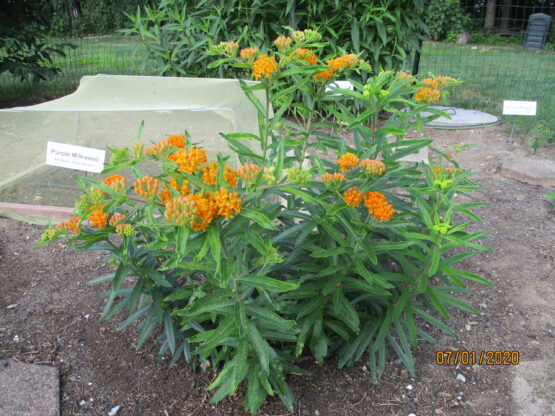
column 427, row 95
column 116, row 219
column 404, row 75
column 206, row 211
column 227, row 203
column 431, row 82
column 378, row 206
column 160, row 147
column 346, row 61
column 183, row 189
column 147, row 186
column 248, row 54
column 283, row 43
column 347, row 161
column 264, row 67
column 335, row 177
column 165, row 194
column 98, row 217
column 73, row 224
column 306, row 54
column 189, row 161
column 248, row 172
column 116, row 182
column 210, row 173
column 352, row 196
column 181, row 210
column 230, row 176
column 372, row 167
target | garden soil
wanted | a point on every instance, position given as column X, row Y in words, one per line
column 48, row 315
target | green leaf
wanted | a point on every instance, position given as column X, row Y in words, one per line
column 213, row 237
column 258, row 218
column 331, row 252
column 181, row 241
column 170, row 331
column 303, row 195
column 344, row 310
column 240, row 318
column 261, row 347
column 157, row 277
column 122, row 272
column 432, row 295
column 102, row 279
column 255, row 392
column 435, row 322
column 181, row 293
column 268, row 283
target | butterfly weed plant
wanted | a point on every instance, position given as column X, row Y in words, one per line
column 313, row 245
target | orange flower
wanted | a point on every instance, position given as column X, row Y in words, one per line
column 176, row 140
column 282, row 43
column 181, row 210
column 347, row 161
column 307, row 55
column 227, row 203
column 346, row 61
column 165, row 194
column 98, row 218
column 372, row 167
column 248, row 172
column 74, row 224
column 264, row 67
column 248, row 54
column 62, row 227
column 207, row 210
column 230, row 176
column 188, row 161
column 147, row 186
column 116, row 219
column 378, row 206
column 352, row 197
column 335, row 177
column 432, row 83
column 210, row 173
column 404, row 75
column 157, row 148
column 443, row 80
column 427, row 95
column 116, row 182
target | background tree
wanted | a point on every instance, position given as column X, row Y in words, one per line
column 24, row 51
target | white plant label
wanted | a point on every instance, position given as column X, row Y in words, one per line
column 520, row 108
column 346, row 85
column 75, row 157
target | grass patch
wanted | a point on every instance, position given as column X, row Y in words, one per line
column 493, row 74
column 93, row 55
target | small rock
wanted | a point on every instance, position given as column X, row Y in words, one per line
column 438, row 412
column 467, row 327
column 13, row 305
column 114, row 411
column 460, row 377
column 82, row 403
column 409, row 386
column 16, row 338
column 411, row 414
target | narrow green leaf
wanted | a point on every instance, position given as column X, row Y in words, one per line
column 268, row 283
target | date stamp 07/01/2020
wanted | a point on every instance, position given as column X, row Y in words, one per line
column 477, row 357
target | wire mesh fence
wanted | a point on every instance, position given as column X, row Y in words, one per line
column 490, row 50
column 116, row 55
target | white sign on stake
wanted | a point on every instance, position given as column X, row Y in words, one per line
column 343, row 84
column 75, row 157
column 519, row 108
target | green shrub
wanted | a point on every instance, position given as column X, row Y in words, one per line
column 314, row 245
column 176, row 32
column 443, row 17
